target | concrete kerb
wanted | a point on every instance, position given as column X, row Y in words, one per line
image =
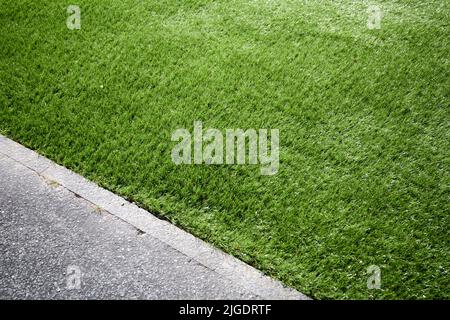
column 202, row 252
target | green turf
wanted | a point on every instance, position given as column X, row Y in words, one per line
column 363, row 118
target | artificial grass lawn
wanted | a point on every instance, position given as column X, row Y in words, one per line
column 363, row 118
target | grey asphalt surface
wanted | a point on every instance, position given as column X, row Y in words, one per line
column 46, row 229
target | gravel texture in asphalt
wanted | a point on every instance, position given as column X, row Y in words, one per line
column 56, row 245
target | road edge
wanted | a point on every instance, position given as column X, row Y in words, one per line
column 204, row 253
